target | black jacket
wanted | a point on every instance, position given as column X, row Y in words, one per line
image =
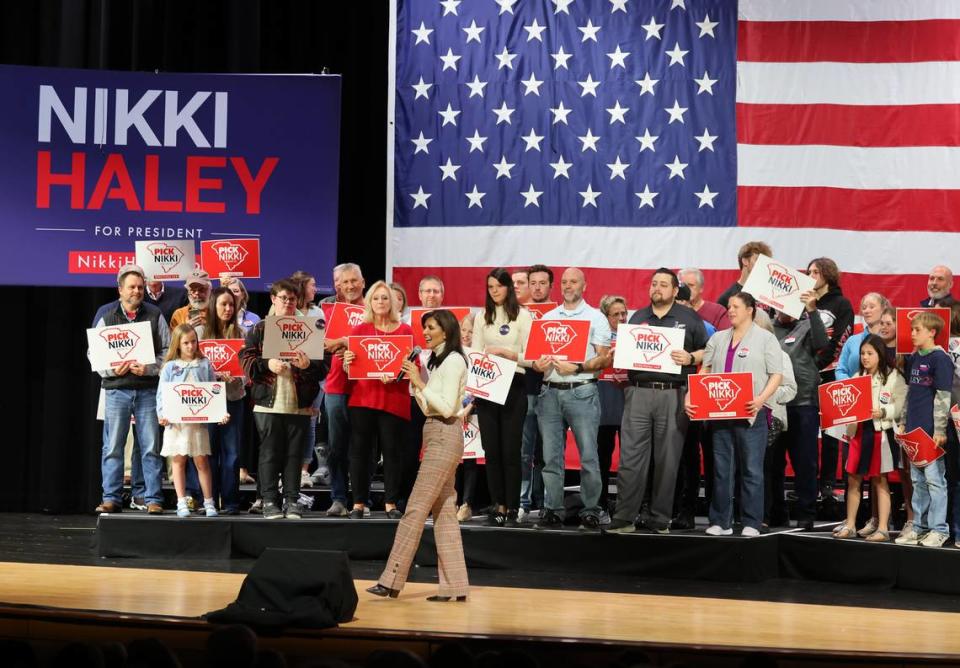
column 264, row 387
column 837, row 315
column 146, row 313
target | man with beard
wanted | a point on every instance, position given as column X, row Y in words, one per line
column 198, row 294
column 654, row 423
column 939, row 284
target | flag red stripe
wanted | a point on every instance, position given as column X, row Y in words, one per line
column 848, row 41
column 848, row 209
column 849, row 125
column 465, row 285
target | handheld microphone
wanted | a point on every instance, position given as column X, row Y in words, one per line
column 414, row 354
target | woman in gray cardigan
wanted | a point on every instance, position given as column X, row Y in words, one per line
column 744, row 347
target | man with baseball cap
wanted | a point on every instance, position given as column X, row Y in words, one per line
column 131, row 390
column 198, row 294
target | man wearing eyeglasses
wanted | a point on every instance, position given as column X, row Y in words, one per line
column 198, row 295
column 283, row 393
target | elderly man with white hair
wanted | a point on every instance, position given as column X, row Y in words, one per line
column 939, row 285
column 710, row 312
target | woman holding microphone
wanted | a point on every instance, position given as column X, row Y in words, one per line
column 744, row 347
column 440, row 398
column 502, row 329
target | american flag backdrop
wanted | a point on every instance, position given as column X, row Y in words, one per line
column 624, row 135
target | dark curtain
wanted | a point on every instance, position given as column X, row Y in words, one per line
column 51, row 449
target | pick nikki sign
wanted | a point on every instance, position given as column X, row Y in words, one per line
column 111, row 347
column 489, row 376
column 647, row 348
column 721, row 396
column 284, row 336
column 378, row 356
column 472, row 444
column 194, row 402
column 564, row 340
column 919, row 447
column 166, row 260
column 342, row 318
column 777, row 285
column 231, row 257
column 224, row 355
column 905, row 317
column 416, row 318
column 540, row 309
column 845, row 401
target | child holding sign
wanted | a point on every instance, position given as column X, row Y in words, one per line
column 873, row 449
column 185, row 363
column 929, row 373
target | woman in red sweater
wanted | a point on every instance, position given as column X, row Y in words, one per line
column 378, row 409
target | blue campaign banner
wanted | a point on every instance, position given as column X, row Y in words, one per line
column 93, row 161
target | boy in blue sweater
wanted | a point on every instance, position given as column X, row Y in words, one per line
column 929, row 373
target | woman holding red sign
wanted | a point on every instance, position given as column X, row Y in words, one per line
column 378, row 409
column 440, row 398
column 502, row 329
column 745, row 347
column 225, row 439
column 873, row 449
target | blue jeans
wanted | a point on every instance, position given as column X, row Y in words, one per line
column 738, row 445
column 578, row 407
column 137, row 489
column 338, row 451
column 930, row 497
column 224, row 460
column 531, row 475
column 120, row 404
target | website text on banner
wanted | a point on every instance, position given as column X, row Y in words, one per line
column 95, row 161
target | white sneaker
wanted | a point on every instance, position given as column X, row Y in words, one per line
column 934, row 539
column 750, row 532
column 522, row 513
column 210, row 510
column 604, row 518
column 716, row 530
column 909, row 537
column 305, row 480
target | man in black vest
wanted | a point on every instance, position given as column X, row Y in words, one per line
column 131, row 390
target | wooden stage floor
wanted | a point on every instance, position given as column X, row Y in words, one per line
column 524, row 614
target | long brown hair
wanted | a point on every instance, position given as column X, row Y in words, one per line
column 510, row 304
column 214, row 329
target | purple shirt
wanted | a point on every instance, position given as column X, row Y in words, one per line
column 731, row 351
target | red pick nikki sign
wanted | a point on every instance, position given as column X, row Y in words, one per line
column 231, row 257
column 845, row 401
column 378, row 356
column 416, row 317
column 905, row 317
column 224, row 355
column 121, row 341
column 342, row 318
column 565, row 340
column 540, row 309
column 919, row 447
column 721, row 396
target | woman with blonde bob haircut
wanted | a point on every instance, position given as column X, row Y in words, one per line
column 378, row 408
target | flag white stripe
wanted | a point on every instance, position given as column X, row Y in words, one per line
column 920, row 167
column 848, row 10
column 848, row 83
column 706, row 247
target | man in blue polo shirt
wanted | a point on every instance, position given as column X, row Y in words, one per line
column 654, row 423
column 570, row 395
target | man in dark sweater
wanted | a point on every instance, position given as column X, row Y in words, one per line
column 167, row 299
column 746, row 258
column 131, row 390
column 939, row 285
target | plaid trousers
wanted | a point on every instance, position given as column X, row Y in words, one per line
column 433, row 492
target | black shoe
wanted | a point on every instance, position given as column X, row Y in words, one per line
column 356, row 514
column 589, row 523
column 805, row 525
column 512, row 520
column 684, row 521
column 271, row 511
column 443, row 599
column 495, row 519
column 394, row 514
column 620, row 526
column 549, row 520
column 379, row 590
